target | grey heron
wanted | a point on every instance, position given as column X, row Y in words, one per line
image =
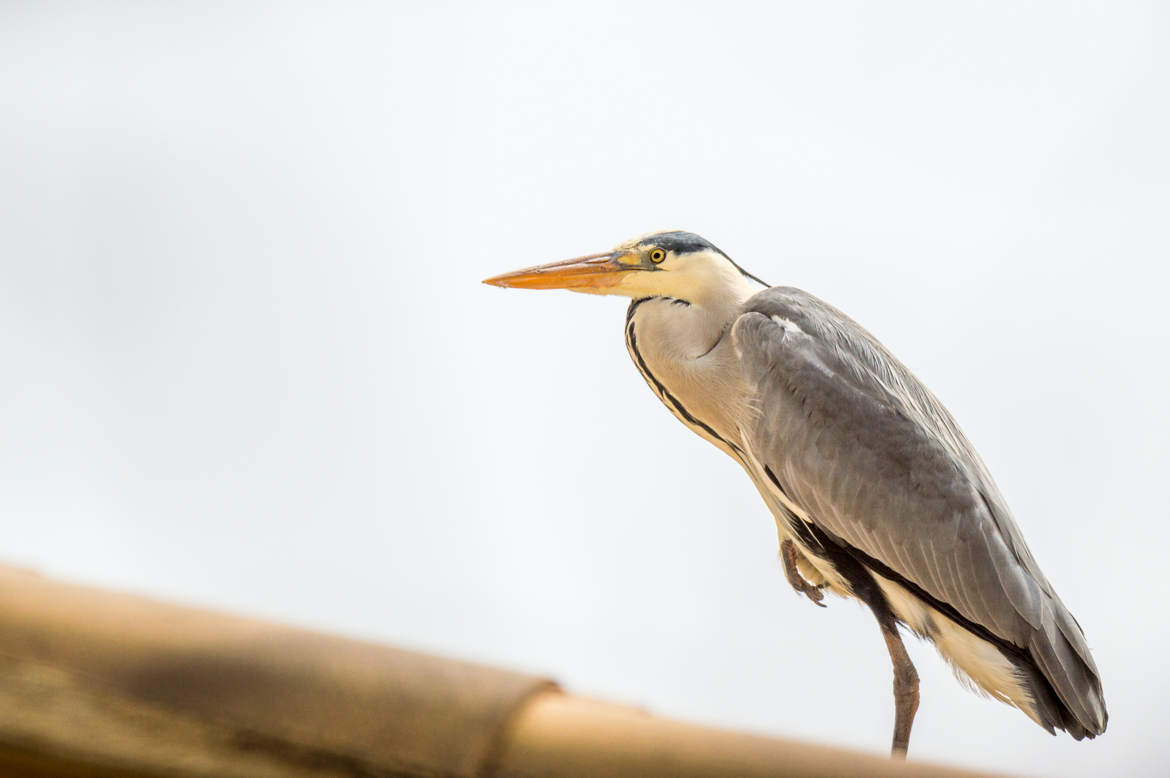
column 876, row 492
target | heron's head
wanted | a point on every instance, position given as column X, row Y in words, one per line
column 680, row 265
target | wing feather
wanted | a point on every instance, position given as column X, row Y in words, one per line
column 869, row 454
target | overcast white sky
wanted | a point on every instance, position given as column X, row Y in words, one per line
column 248, row 363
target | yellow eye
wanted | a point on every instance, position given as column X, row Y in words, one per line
column 657, row 255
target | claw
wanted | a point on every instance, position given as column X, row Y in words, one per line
column 788, row 554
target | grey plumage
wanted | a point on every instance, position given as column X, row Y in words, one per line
column 875, row 460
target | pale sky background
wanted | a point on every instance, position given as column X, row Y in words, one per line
column 248, row 363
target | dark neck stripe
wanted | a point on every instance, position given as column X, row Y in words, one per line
column 633, row 307
column 662, row 391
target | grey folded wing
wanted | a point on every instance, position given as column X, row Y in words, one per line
column 874, row 459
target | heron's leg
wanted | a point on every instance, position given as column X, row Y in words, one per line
column 788, row 554
column 905, row 686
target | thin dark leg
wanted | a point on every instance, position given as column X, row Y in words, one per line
column 905, row 687
column 866, row 589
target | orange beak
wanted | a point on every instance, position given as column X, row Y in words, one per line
column 594, row 273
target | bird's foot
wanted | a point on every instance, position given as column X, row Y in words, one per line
column 788, row 554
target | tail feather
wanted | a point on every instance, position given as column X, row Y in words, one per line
column 1063, row 679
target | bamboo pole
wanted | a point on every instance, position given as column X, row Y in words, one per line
column 95, row 683
column 565, row 736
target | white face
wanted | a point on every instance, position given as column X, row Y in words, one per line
column 696, row 277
